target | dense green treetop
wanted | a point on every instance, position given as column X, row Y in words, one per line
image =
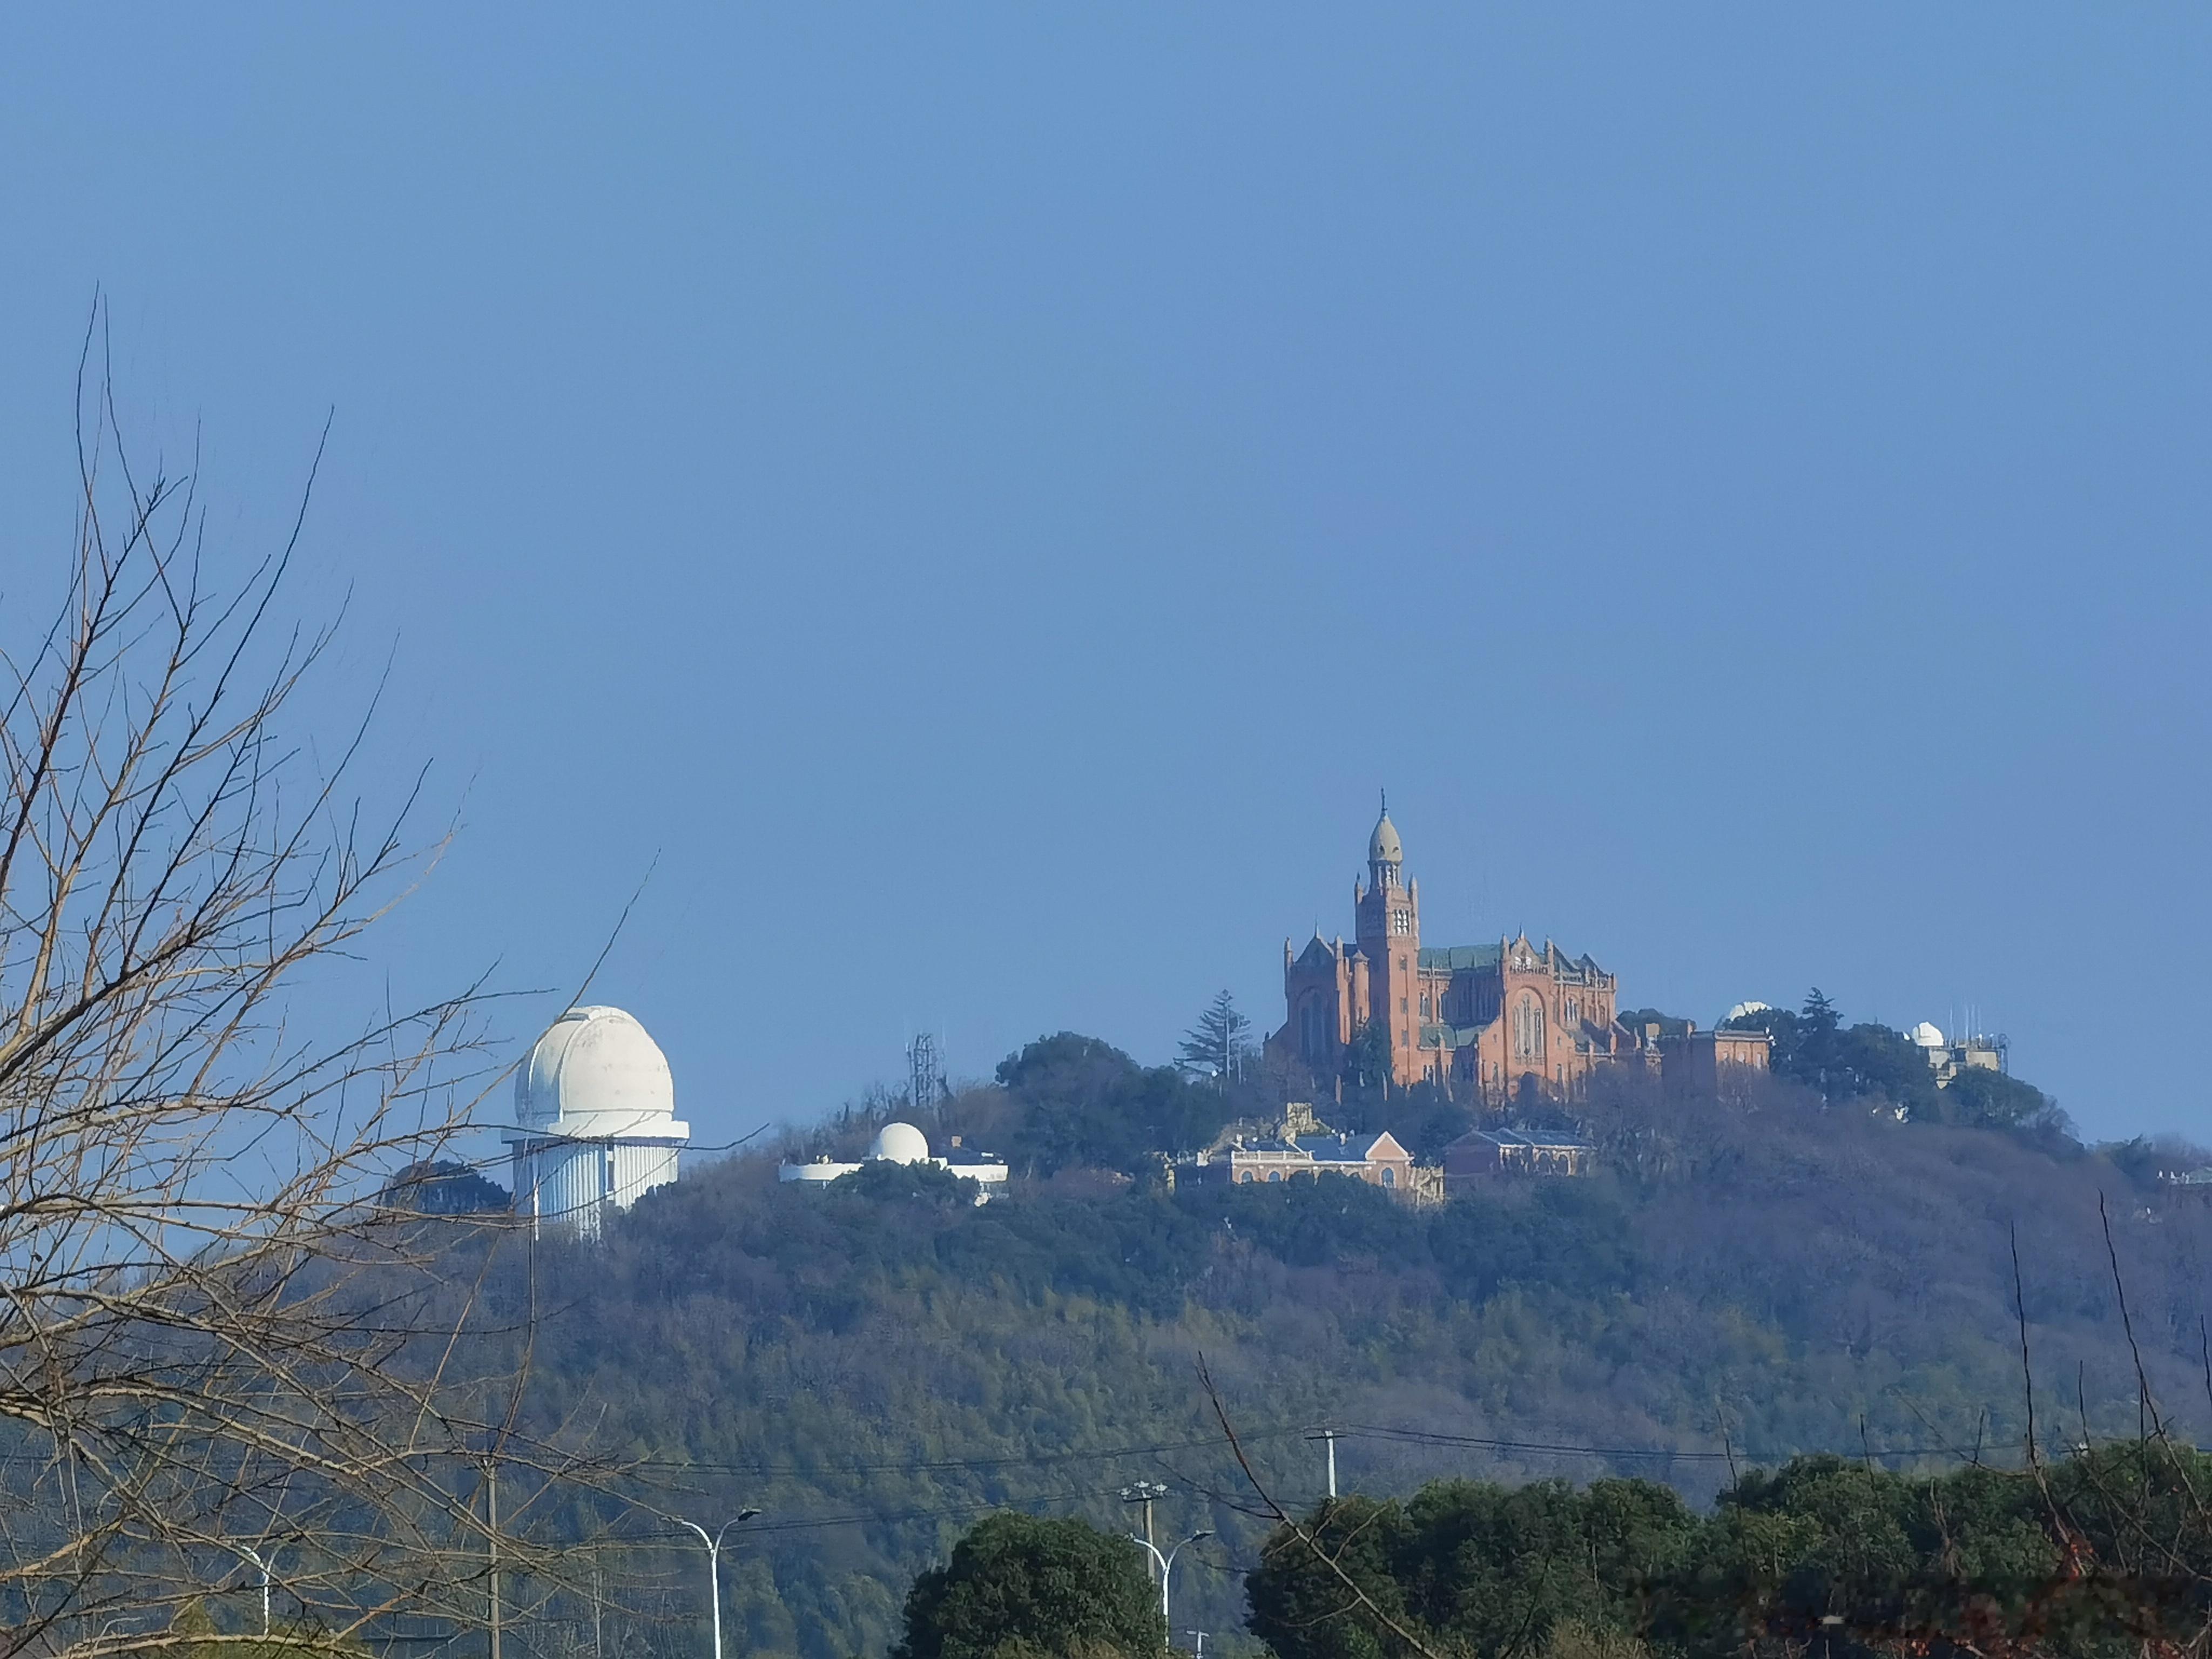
column 2103, row 1553
column 1469, row 1565
column 1019, row 1584
column 1870, row 1061
column 1082, row 1102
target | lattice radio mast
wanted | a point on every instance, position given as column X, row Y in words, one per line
column 925, row 1073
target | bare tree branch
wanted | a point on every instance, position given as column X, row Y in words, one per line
column 1275, row 1511
column 213, row 1332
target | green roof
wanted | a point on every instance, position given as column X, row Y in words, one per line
column 1457, row 958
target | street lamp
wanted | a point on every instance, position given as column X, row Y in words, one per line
column 1167, row 1566
column 260, row 1561
column 714, row 1564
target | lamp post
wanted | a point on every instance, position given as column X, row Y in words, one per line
column 260, row 1561
column 491, row 1536
column 714, row 1565
column 1167, row 1566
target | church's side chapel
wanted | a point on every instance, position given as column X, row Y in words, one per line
column 1485, row 1020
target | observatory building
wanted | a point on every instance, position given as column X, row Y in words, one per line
column 595, row 1123
column 901, row 1142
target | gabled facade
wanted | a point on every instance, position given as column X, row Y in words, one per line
column 1483, row 1020
column 1376, row 1160
column 1483, row 1154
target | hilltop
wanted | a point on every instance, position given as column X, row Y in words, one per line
column 872, row 1363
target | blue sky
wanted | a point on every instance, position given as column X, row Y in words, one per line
column 985, row 496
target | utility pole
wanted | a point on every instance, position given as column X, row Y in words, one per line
column 714, row 1565
column 1146, row 1492
column 599, row 1600
column 1327, row 1436
column 491, row 1510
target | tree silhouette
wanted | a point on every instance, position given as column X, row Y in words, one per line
column 1033, row 1585
column 1218, row 1046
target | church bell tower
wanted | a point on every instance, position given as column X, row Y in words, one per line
column 1388, row 910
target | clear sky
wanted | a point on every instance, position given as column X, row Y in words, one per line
column 986, row 496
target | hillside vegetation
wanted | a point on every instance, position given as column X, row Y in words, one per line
column 2102, row 1556
column 874, row 1364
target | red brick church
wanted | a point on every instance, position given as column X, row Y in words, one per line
column 1477, row 1018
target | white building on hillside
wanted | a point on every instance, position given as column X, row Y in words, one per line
column 595, row 1125
column 901, row 1142
column 1948, row 1056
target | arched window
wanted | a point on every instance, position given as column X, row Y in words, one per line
column 1244, row 1176
column 1313, row 1032
column 1274, row 1175
column 1389, row 1176
column 1528, row 1028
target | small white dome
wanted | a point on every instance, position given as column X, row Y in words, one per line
column 596, row 1073
column 900, row 1143
column 1743, row 1008
column 1926, row 1035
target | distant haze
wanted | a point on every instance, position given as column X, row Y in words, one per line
column 986, row 498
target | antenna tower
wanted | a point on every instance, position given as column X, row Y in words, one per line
column 925, row 1073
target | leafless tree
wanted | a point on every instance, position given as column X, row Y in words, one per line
column 216, row 1349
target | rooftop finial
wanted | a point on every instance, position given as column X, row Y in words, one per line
column 1386, row 803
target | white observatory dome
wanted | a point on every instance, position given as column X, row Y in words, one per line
column 1926, row 1035
column 900, row 1143
column 595, row 1072
column 1743, row 1008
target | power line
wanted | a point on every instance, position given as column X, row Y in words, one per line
column 1382, row 1432
column 953, row 1464
column 1664, row 1453
column 863, row 1517
column 874, row 1517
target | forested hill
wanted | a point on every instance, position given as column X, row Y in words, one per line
column 872, row 1363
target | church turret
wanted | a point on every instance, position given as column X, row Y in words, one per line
column 1386, row 854
column 1391, row 937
